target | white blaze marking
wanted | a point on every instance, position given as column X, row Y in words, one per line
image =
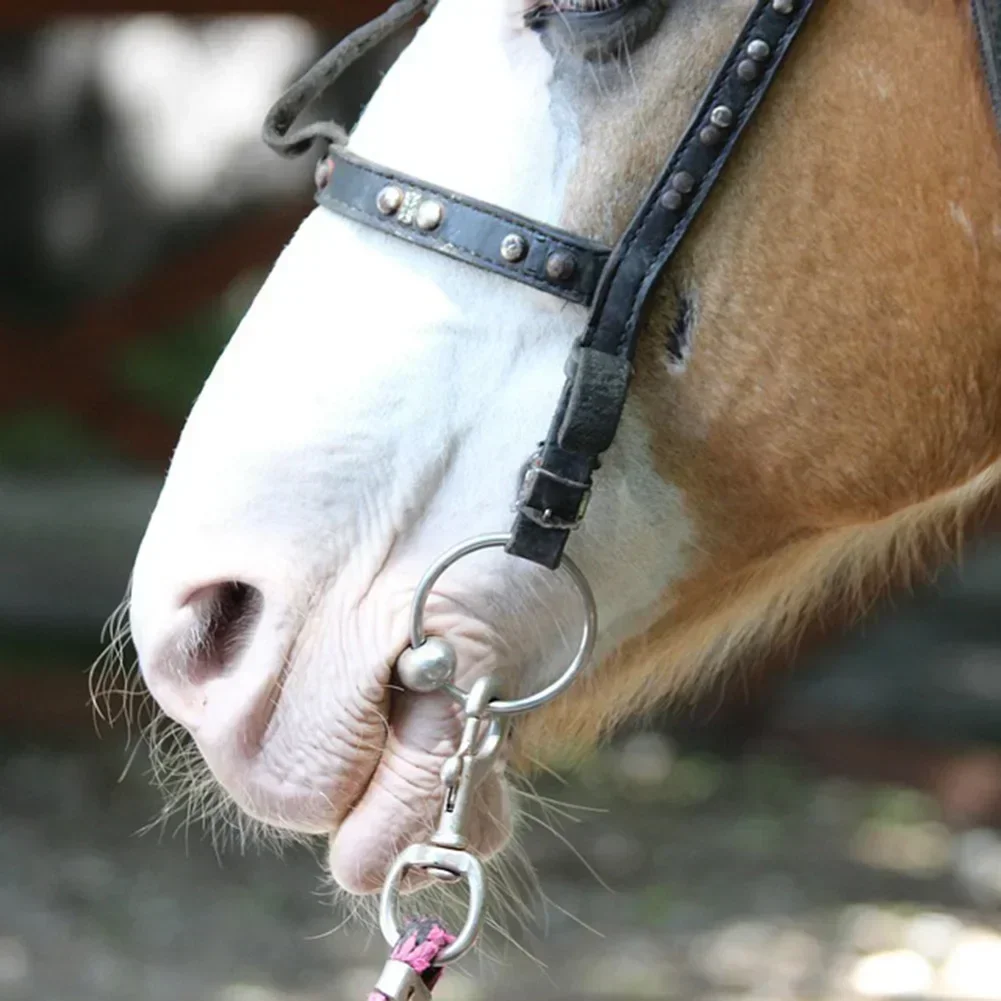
column 376, row 405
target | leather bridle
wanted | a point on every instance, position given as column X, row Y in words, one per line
column 615, row 282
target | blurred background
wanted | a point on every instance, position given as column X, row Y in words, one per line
column 827, row 832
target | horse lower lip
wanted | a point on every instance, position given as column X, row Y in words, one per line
column 377, row 830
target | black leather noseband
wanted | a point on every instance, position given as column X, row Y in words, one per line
column 615, row 283
column 462, row 228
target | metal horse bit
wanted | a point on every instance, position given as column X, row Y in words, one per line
column 428, row 665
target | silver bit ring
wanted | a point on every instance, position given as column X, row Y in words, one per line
column 508, row 707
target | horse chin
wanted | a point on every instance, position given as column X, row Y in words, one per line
column 375, row 805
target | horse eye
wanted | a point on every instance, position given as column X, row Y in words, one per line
column 598, row 29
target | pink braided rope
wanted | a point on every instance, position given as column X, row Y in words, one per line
column 420, row 945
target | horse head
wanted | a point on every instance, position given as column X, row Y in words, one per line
column 814, row 411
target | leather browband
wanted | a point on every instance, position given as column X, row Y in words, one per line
column 461, row 228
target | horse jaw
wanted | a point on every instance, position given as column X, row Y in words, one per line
column 374, row 408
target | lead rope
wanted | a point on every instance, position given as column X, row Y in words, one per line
column 423, row 947
column 416, row 953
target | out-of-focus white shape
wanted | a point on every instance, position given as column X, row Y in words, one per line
column 737, row 956
column 932, row 934
column 794, row 957
column 191, row 96
column 355, row 982
column 635, row 969
column 456, row 987
column 868, row 928
column 977, row 863
column 646, row 759
column 900, row 973
column 249, row 992
column 973, row 969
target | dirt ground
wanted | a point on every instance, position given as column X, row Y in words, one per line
column 671, row 876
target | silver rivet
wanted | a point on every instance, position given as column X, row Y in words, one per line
column 747, row 70
column 759, row 50
column 389, row 200
column 428, row 667
column 560, row 266
column 722, row 116
column 513, row 248
column 783, row 6
column 429, row 215
column 683, row 182
column 710, row 135
column 672, row 200
column 324, row 171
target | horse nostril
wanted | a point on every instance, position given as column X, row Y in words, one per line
column 227, row 614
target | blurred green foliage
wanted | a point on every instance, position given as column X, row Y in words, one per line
column 167, row 370
column 50, row 439
column 163, row 371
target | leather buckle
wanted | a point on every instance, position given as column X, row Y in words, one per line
column 552, row 501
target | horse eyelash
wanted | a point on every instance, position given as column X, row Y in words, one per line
column 574, row 6
column 539, row 10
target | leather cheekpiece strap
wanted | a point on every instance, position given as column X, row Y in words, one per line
column 462, row 228
column 595, row 393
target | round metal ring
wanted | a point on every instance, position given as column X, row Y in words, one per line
column 461, row 865
column 509, row 707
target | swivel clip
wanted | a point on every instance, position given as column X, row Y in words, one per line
column 445, row 856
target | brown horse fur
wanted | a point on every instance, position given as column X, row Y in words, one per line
column 837, row 426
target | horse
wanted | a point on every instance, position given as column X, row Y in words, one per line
column 814, row 414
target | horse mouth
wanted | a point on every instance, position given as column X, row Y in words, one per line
column 296, row 713
column 362, row 770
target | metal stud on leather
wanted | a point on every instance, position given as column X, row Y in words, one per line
column 463, row 228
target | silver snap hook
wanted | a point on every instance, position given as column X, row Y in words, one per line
column 461, row 865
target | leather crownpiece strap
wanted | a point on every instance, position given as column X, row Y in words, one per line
column 462, row 228
column 594, row 396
